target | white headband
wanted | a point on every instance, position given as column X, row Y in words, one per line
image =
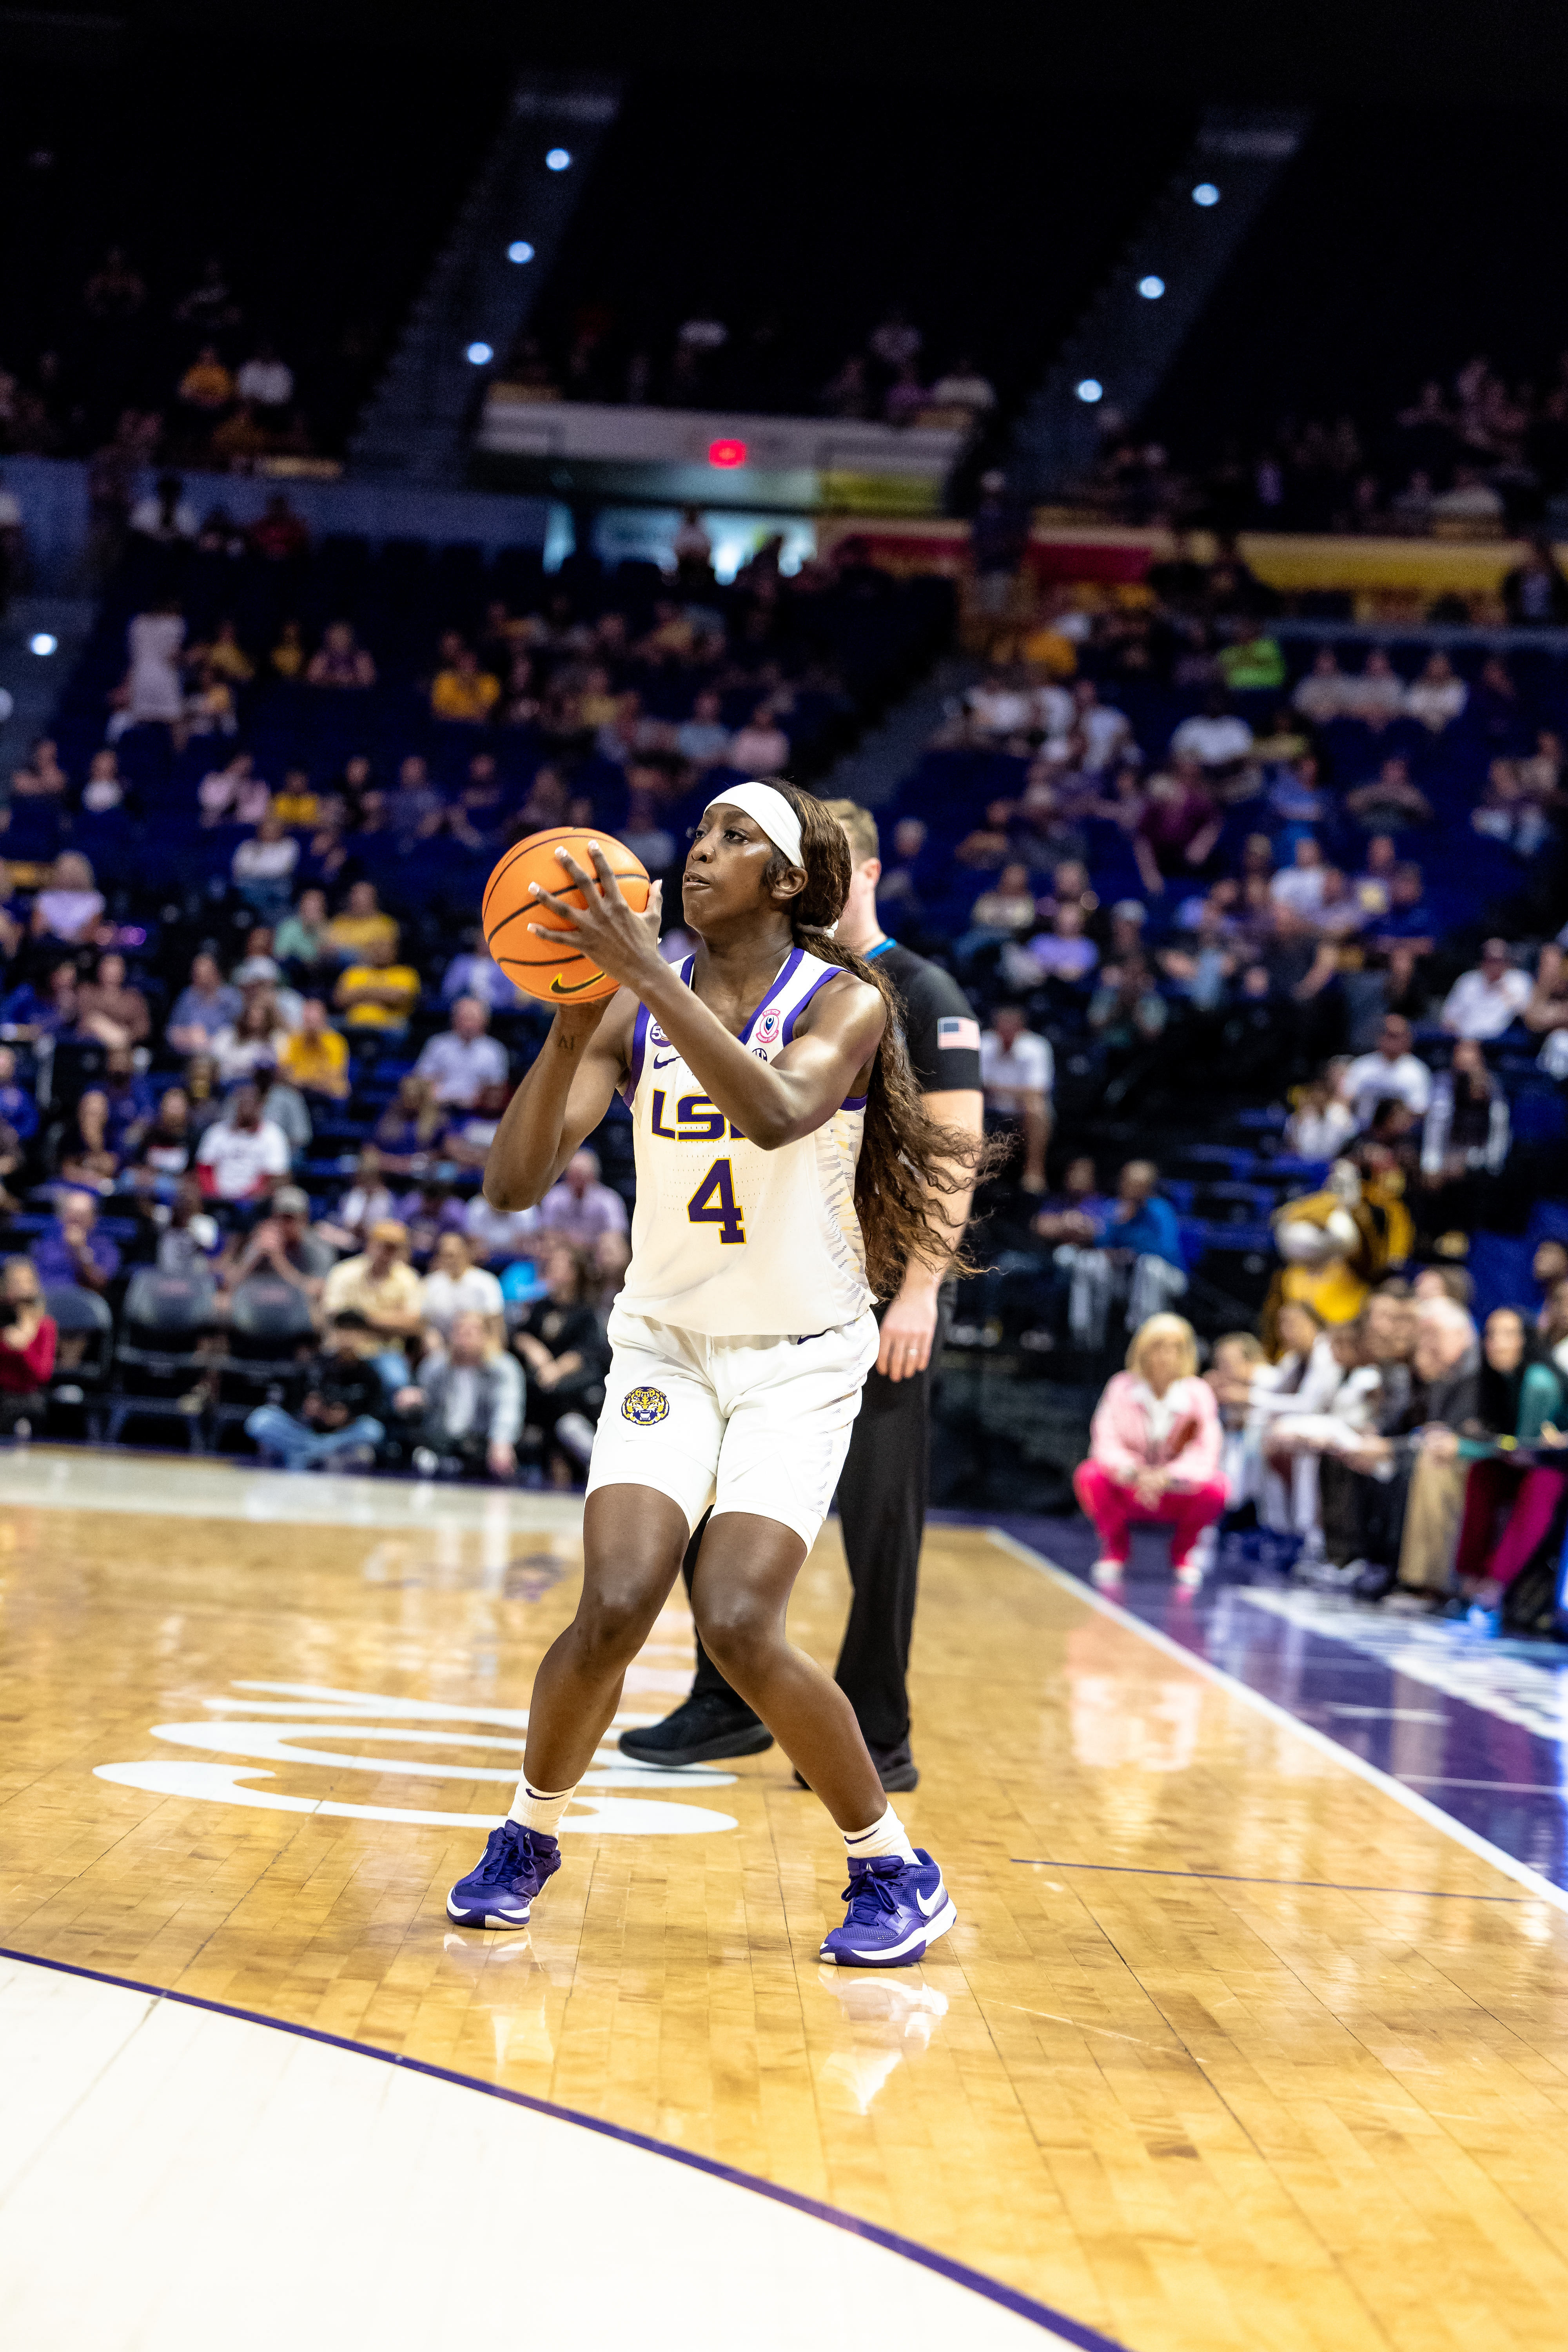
column 771, row 811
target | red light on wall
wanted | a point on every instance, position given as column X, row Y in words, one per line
column 726, row 453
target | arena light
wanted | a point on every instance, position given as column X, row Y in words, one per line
column 1206, row 194
column 1151, row 287
column 558, row 160
column 479, row 355
column 1090, row 389
column 726, row 455
column 43, row 644
column 521, row 251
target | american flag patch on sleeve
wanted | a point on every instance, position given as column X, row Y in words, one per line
column 958, row 1033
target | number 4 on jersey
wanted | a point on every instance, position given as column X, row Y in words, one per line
column 714, row 1204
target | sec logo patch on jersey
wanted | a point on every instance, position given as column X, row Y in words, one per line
column 767, row 1029
column 644, row 1406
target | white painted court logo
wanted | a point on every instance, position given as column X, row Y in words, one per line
column 644, row 1406
column 310, row 1726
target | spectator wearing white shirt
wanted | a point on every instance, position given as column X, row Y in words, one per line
column 266, row 380
column 1323, row 693
column 1218, row 739
column 463, row 1061
column 1389, row 1074
column 1322, row 1122
column 1107, row 733
column 1377, row 696
column 500, row 1236
column 455, row 1286
column 1300, row 886
column 263, row 867
column 761, row 748
column 1482, row 1003
column 241, row 1157
column 1017, row 1071
column 1438, row 696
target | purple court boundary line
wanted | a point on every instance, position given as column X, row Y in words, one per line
column 1233, row 1878
column 1057, row 2323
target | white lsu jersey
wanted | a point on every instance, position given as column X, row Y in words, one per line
column 727, row 1238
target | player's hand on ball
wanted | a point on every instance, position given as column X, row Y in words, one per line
column 621, row 942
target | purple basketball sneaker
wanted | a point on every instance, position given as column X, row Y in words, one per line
column 896, row 1909
column 500, row 1893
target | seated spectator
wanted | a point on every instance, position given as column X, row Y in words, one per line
column 1127, row 1015
column 463, row 1060
column 32, row 1012
column 1324, row 694
column 415, row 809
column 761, row 748
column 360, row 925
column 1322, row 1122
column 1546, row 1014
column 476, row 973
column 253, row 1043
column 167, row 1142
column 263, row 869
column 580, row 1208
column 456, row 1285
column 1017, row 1071
column 470, row 1138
column 338, row 1422
column 1408, row 1498
column 563, row 1349
column 1300, row 885
column 313, row 1058
column 1106, row 733
column 299, row 942
column 284, row 1245
column 281, row 535
column 28, row 1336
column 70, row 908
column 242, row 1155
column 463, row 692
column 1154, row 1453
column 233, row 794
column 83, row 1155
column 1178, row 827
column 1252, row 663
column 206, row 386
column 1438, row 696
column 500, row 1236
column 1391, row 803
column 1217, row 738
column 376, row 996
column 1063, row 953
column 70, row 1250
column 1465, row 1139
column 341, row 663
column 1136, row 1257
column 17, row 1108
column 468, row 1404
column 265, row 381
column 1004, row 911
column 1406, row 921
column 1390, row 1073
column 1485, row 1002
column 110, row 1010
column 287, row 659
column 382, row 1287
column 105, row 786
column 1377, row 697
column 703, row 739
column 1536, row 593
column 1510, row 1504
column 295, row 804
column 429, row 1209
column 368, row 1202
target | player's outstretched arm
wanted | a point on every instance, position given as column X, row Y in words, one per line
column 771, row 1103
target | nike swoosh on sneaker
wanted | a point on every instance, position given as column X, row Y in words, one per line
column 939, row 1898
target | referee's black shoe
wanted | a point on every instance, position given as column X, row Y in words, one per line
column 896, row 1770
column 705, row 1729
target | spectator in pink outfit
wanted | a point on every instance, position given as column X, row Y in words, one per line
column 1155, row 1447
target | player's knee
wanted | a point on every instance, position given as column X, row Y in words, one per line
column 737, row 1632
column 612, row 1626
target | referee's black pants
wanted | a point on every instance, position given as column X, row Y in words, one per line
column 882, row 1492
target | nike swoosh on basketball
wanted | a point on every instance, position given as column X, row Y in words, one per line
column 940, row 1897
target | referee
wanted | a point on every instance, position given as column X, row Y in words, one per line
column 882, row 1486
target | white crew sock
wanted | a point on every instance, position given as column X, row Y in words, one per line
column 885, row 1836
column 536, row 1810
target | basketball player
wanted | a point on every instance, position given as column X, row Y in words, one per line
column 785, row 1172
column 882, row 1486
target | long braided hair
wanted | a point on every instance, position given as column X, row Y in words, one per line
column 906, row 1157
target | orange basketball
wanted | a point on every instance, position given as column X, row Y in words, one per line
column 558, row 974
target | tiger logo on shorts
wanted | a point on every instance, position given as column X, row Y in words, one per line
column 644, row 1406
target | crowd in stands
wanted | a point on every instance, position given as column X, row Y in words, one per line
column 708, row 361
column 1477, row 457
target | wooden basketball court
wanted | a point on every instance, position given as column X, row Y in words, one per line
column 1230, row 2048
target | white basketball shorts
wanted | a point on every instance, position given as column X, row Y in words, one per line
column 758, row 1423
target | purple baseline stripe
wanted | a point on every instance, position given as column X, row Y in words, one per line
column 1067, row 2331
column 786, row 972
column 639, row 1047
column 834, row 972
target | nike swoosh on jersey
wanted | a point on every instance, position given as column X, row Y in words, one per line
column 662, row 1061
column 940, row 1897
